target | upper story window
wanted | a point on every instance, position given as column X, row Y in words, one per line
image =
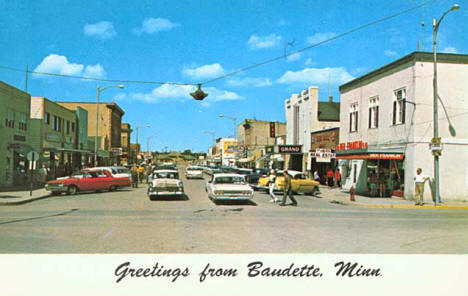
column 22, row 122
column 68, row 126
column 73, row 127
column 57, row 123
column 399, row 106
column 353, row 118
column 374, row 112
column 10, row 119
column 47, row 117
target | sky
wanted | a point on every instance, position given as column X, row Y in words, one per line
column 189, row 42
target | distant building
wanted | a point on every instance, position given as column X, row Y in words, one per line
column 387, row 126
column 125, row 143
column 304, row 115
column 226, row 151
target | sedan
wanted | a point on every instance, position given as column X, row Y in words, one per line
column 228, row 187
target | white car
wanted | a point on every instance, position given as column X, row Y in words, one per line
column 165, row 183
column 193, row 172
column 115, row 171
column 228, row 187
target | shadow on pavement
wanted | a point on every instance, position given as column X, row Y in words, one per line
column 170, row 198
column 234, row 202
column 40, row 217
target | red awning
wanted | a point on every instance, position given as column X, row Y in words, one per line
column 372, row 156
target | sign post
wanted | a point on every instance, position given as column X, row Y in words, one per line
column 31, row 156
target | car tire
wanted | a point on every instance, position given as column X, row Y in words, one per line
column 55, row 192
column 72, row 189
column 314, row 191
column 112, row 188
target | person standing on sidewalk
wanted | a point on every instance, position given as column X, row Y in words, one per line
column 271, row 182
column 419, row 181
column 330, row 176
column 288, row 190
column 338, row 178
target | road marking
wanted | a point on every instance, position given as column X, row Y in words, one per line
column 108, row 233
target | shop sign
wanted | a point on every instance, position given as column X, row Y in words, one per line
column 52, row 137
column 325, row 139
column 373, row 156
column 322, row 155
column 290, row 149
column 355, row 145
column 269, row 149
column 14, row 146
column 116, row 151
column 19, row 138
column 229, row 147
column 272, row 130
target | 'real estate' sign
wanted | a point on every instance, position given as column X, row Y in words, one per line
column 290, row 149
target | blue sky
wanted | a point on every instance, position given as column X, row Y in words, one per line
column 193, row 41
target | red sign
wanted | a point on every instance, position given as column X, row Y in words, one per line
column 352, row 145
column 272, row 130
column 372, row 156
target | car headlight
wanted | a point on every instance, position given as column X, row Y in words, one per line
column 60, row 185
column 218, row 192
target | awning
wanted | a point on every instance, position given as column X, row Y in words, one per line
column 68, row 150
column 248, row 159
column 372, row 156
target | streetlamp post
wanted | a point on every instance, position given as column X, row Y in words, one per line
column 137, row 128
column 234, row 121
column 436, row 139
column 148, row 141
column 99, row 90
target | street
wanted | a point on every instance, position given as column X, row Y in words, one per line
column 126, row 221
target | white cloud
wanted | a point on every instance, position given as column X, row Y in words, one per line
column 449, row 49
column 179, row 93
column 319, row 37
column 261, row 42
column 102, row 30
column 155, row 25
column 390, row 53
column 249, row 81
column 309, row 62
column 204, row 72
column 59, row 64
column 310, row 76
column 294, row 57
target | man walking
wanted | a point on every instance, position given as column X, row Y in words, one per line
column 419, row 181
column 288, row 190
column 134, row 172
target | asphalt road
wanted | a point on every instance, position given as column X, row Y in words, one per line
column 126, row 221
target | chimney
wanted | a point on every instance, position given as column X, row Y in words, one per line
column 330, row 99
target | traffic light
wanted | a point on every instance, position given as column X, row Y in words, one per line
column 199, row 95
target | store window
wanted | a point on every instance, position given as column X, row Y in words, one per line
column 399, row 106
column 353, row 118
column 374, row 112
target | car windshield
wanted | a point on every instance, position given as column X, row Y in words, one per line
column 193, row 169
column 229, row 180
column 165, row 175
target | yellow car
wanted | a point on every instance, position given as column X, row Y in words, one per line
column 264, row 182
column 299, row 183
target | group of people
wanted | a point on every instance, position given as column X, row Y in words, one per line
column 139, row 174
column 287, row 192
column 332, row 177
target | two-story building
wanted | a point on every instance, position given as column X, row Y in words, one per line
column 387, row 127
column 304, row 115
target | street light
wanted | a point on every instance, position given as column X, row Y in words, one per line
column 234, row 121
column 436, row 139
column 136, row 129
column 99, row 90
column 147, row 142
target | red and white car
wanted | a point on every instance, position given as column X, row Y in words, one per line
column 86, row 181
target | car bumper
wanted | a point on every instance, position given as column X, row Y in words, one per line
column 232, row 197
column 166, row 192
column 53, row 188
column 197, row 176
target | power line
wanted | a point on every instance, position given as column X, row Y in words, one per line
column 95, row 79
column 318, row 43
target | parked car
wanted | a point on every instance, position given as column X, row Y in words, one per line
column 299, row 183
column 97, row 180
column 264, row 182
column 253, row 177
column 115, row 171
column 165, row 183
column 228, row 187
column 193, row 172
column 211, row 170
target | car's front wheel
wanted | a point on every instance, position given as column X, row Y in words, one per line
column 72, row 190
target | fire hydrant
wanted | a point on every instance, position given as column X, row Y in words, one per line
column 351, row 194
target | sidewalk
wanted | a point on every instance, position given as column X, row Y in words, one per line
column 335, row 195
column 21, row 197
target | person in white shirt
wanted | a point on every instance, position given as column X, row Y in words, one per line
column 271, row 183
column 419, row 181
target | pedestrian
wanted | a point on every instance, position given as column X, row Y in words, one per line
column 330, row 176
column 338, row 178
column 271, row 182
column 419, row 181
column 316, row 176
column 148, row 173
column 382, row 181
column 141, row 173
column 288, row 190
column 43, row 175
column 134, row 172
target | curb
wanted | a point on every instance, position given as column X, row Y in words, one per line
column 20, row 202
column 381, row 206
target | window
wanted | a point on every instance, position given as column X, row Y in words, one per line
column 22, row 122
column 47, row 117
column 55, row 123
column 353, row 118
column 68, row 126
column 10, row 120
column 399, row 106
column 59, row 119
column 73, row 127
column 374, row 112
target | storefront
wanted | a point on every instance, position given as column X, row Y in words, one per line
column 322, row 157
column 372, row 172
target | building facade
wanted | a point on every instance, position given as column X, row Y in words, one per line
column 126, row 132
column 109, row 123
column 226, row 151
column 304, row 115
column 17, row 134
column 387, row 126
